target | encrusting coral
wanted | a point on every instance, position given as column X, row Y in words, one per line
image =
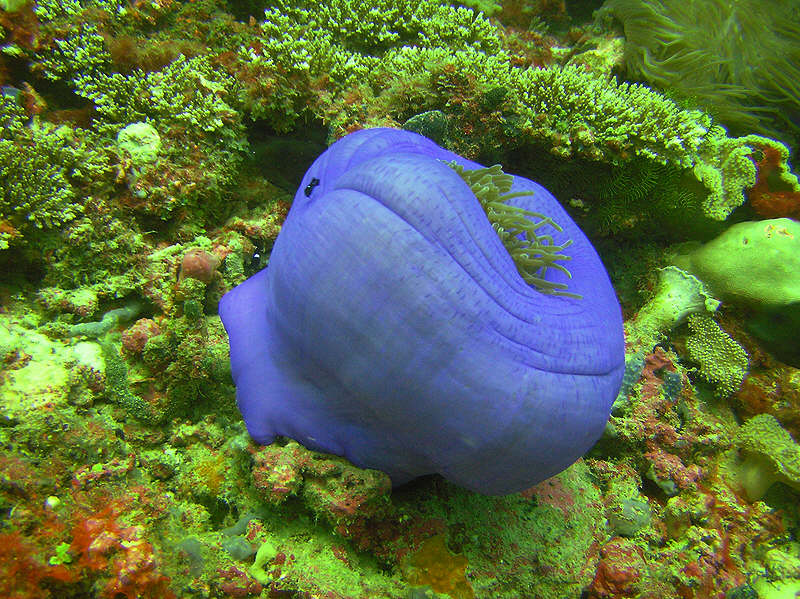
column 677, row 294
column 723, row 362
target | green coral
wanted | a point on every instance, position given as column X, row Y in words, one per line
column 141, row 141
column 582, row 114
column 404, row 68
column 374, row 27
column 81, row 52
column 13, row 5
column 600, row 118
column 727, row 170
column 191, row 102
column 204, row 141
column 49, row 10
column 44, row 170
column 770, row 455
column 188, row 91
column 755, row 263
column 12, row 115
column 722, row 361
column 677, row 295
column 533, row 253
column 348, row 48
column 98, row 250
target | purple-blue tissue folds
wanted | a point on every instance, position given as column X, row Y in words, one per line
column 393, row 328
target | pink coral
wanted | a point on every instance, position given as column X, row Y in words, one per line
column 236, row 583
column 136, row 336
column 198, row 264
column 620, row 570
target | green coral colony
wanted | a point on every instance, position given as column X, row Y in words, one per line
column 134, row 192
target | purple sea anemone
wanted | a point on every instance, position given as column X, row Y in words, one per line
column 392, row 326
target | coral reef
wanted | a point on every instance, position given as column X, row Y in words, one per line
column 149, row 152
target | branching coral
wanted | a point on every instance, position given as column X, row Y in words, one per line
column 582, row 114
column 450, row 64
column 189, row 92
column 606, row 120
column 189, row 101
column 338, row 47
column 43, row 171
column 82, row 53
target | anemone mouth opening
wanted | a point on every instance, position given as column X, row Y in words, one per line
column 533, row 252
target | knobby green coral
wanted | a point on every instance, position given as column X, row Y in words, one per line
column 723, row 362
column 533, row 253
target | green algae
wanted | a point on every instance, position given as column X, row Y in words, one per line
column 38, row 367
column 539, row 543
